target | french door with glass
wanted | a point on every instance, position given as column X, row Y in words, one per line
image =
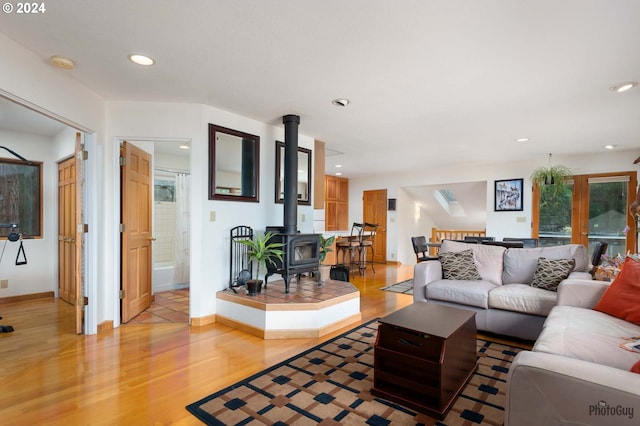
column 592, row 208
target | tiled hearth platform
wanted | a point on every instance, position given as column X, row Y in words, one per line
column 308, row 311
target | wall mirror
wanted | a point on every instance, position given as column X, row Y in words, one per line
column 234, row 165
column 304, row 174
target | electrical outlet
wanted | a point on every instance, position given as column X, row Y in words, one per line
column 303, row 217
column 212, row 216
column 4, row 283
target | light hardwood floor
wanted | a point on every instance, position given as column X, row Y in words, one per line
column 142, row 374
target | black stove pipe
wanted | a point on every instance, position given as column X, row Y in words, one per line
column 291, row 123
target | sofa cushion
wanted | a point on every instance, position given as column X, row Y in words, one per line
column 621, row 298
column 488, row 259
column 550, row 272
column 472, row 293
column 458, row 266
column 588, row 335
column 522, row 298
column 520, row 263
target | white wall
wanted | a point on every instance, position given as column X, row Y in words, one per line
column 210, row 240
column 30, row 80
column 499, row 224
column 40, row 273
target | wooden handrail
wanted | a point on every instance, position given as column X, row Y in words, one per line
column 437, row 235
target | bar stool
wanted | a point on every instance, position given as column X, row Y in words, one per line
column 366, row 242
column 350, row 245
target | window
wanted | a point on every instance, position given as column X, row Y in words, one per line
column 164, row 190
column 21, row 197
column 592, row 208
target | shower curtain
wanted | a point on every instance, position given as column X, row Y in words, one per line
column 181, row 270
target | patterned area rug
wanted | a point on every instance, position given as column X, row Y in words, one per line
column 330, row 385
column 405, row 287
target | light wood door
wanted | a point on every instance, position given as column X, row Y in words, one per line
column 136, row 237
column 66, row 230
column 70, row 235
column 593, row 208
column 374, row 209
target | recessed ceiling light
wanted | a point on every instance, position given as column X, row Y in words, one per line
column 609, row 146
column 522, row 139
column 338, row 174
column 623, row 87
column 61, row 62
column 184, row 146
column 338, row 166
column 343, row 102
column 141, row 60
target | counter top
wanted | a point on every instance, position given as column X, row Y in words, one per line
column 335, row 233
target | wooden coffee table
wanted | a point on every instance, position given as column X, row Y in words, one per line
column 424, row 355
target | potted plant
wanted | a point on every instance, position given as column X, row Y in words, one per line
column 325, row 246
column 262, row 251
column 551, row 175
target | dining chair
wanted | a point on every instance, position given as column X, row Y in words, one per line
column 599, row 249
column 367, row 242
column 421, row 249
column 351, row 245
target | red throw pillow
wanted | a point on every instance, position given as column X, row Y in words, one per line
column 621, row 298
column 636, row 368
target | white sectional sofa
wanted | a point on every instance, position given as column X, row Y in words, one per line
column 503, row 299
column 577, row 372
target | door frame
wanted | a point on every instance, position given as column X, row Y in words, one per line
column 117, row 264
column 89, row 206
column 580, row 205
column 384, row 213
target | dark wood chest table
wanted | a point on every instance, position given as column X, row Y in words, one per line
column 423, row 356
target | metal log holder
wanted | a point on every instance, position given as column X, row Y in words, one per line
column 240, row 267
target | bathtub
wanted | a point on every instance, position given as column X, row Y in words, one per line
column 162, row 278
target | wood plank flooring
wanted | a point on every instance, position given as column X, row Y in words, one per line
column 143, row 374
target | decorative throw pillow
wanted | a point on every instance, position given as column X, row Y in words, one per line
column 635, row 368
column 621, row 298
column 459, row 266
column 549, row 272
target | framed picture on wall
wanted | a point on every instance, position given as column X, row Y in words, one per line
column 508, row 195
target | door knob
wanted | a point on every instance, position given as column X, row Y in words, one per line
column 152, row 239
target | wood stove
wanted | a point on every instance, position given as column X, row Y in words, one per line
column 301, row 251
column 301, row 255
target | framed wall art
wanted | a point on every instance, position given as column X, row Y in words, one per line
column 508, row 195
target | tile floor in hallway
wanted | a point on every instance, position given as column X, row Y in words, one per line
column 168, row 307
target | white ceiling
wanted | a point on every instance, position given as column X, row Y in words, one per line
column 431, row 82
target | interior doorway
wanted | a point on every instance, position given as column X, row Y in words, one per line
column 172, row 232
column 375, row 211
column 169, row 237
